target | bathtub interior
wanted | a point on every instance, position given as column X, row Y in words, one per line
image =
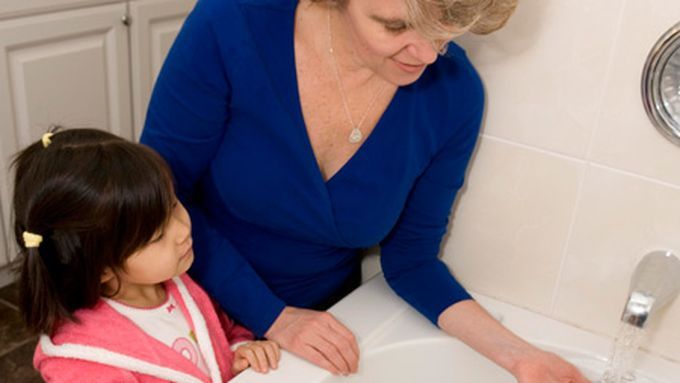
column 444, row 360
column 435, row 360
column 408, row 349
column 399, row 345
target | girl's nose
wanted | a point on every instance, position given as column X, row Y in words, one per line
column 184, row 233
column 181, row 216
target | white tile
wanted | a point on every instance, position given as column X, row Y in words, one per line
column 545, row 72
column 510, row 225
column 620, row 218
column 625, row 138
column 663, row 333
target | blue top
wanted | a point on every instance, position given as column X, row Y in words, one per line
column 268, row 230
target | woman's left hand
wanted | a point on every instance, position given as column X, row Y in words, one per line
column 469, row 322
column 546, row 367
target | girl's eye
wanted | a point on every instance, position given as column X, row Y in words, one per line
column 158, row 237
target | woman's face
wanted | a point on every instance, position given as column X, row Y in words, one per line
column 384, row 42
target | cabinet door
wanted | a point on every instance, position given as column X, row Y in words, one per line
column 69, row 68
column 154, row 26
column 4, row 251
column 15, row 8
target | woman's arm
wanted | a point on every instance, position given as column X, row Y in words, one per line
column 313, row 335
column 411, row 267
column 409, row 254
column 186, row 120
column 469, row 322
column 188, row 111
column 413, row 270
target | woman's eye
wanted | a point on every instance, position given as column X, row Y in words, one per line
column 396, row 27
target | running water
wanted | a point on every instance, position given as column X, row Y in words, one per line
column 620, row 366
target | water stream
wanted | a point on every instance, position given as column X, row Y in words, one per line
column 621, row 359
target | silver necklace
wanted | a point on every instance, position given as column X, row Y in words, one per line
column 355, row 135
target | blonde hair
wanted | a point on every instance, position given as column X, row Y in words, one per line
column 441, row 20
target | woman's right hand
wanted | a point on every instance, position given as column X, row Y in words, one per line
column 318, row 337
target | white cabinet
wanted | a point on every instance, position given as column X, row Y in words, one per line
column 16, row 8
column 69, row 68
column 86, row 67
column 155, row 24
column 3, row 249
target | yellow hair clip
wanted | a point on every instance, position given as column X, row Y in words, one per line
column 32, row 240
column 47, row 139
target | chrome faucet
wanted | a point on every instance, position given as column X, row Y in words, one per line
column 655, row 282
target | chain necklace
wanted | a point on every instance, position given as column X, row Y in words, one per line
column 356, row 135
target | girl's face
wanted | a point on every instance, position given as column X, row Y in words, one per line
column 384, row 41
column 169, row 253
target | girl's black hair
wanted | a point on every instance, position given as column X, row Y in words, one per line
column 95, row 198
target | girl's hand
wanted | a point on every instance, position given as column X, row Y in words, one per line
column 260, row 355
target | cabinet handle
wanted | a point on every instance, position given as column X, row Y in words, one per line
column 126, row 20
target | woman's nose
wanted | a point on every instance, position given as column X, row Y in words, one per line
column 422, row 50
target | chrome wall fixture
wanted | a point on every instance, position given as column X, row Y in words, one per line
column 661, row 84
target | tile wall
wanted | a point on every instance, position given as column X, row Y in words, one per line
column 571, row 184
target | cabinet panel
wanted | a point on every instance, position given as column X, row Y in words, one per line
column 15, row 8
column 69, row 68
column 4, row 248
column 155, row 25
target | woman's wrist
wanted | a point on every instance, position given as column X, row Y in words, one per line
column 473, row 325
column 470, row 323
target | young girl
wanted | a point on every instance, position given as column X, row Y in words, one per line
column 105, row 250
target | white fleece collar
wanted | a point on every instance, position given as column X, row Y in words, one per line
column 115, row 359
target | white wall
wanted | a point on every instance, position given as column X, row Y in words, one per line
column 571, row 184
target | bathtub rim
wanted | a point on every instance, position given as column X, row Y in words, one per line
column 386, row 308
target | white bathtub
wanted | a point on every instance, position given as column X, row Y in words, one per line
column 400, row 346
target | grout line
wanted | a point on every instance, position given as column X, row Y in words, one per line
column 637, row 175
column 534, row 148
column 589, row 149
column 607, row 80
column 18, row 345
column 10, row 304
column 567, row 241
column 582, row 161
column 22, row 343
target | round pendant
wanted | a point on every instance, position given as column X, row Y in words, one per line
column 355, row 136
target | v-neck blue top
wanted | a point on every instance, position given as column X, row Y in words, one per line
column 268, row 230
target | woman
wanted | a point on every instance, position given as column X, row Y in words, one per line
column 303, row 132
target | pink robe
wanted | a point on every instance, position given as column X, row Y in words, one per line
column 107, row 347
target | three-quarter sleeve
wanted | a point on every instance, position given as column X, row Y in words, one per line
column 409, row 254
column 186, row 121
column 188, row 111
